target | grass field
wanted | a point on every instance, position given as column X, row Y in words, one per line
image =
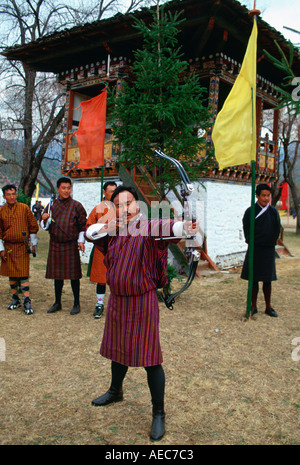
column 228, row 380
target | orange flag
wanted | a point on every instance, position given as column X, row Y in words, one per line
column 91, row 132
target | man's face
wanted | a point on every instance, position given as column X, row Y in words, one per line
column 264, row 198
column 64, row 190
column 108, row 192
column 10, row 196
column 126, row 207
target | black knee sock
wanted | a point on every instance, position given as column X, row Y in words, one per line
column 255, row 288
column 100, row 288
column 267, row 288
column 156, row 383
column 58, row 286
column 75, row 284
column 118, row 373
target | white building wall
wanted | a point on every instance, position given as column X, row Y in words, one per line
column 224, row 210
column 220, row 208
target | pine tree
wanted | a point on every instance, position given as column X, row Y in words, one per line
column 164, row 104
column 290, row 100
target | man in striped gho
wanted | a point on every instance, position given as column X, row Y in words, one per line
column 18, row 228
column 66, row 225
column 136, row 266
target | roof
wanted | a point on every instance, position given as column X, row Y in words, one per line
column 201, row 34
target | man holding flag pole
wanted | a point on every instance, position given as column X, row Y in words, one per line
column 234, row 132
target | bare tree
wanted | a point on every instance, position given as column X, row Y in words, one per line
column 24, row 104
column 95, row 10
column 32, row 103
column 289, row 124
column 33, row 106
column 290, row 138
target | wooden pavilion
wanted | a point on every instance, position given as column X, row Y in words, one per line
column 213, row 37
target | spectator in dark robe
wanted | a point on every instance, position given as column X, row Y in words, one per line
column 266, row 232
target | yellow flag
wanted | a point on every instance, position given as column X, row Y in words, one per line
column 37, row 192
column 234, row 132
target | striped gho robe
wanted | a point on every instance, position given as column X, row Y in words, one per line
column 14, row 220
column 136, row 266
column 63, row 258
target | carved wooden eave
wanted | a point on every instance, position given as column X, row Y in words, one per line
column 210, row 26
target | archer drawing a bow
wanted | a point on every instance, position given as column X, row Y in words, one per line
column 193, row 256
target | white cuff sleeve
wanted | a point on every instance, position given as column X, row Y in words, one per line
column 93, row 232
column 81, row 237
column 45, row 225
column 178, row 229
column 2, row 248
column 33, row 239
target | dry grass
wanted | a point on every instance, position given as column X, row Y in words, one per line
column 235, row 386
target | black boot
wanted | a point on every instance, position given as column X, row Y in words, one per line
column 112, row 395
column 55, row 307
column 75, row 309
column 271, row 312
column 158, row 422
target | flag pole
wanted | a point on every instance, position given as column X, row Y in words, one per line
column 101, row 193
column 254, row 13
column 251, row 240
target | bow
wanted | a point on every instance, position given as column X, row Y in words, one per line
column 53, row 197
column 27, row 244
column 186, row 189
